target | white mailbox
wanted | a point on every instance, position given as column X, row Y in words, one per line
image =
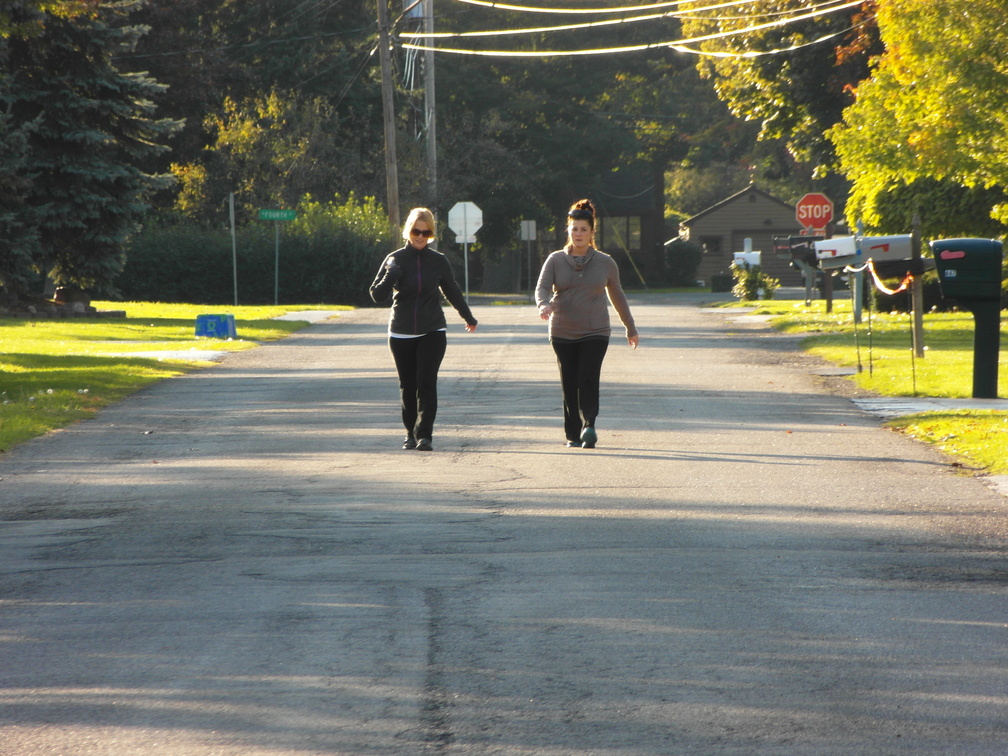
column 840, row 246
column 837, row 252
column 742, row 259
column 882, row 248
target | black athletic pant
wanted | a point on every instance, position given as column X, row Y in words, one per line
column 417, row 361
column 580, row 364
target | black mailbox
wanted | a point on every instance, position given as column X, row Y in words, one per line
column 969, row 270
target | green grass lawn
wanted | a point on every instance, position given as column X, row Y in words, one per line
column 880, row 349
column 53, row 372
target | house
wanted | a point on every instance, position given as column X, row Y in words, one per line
column 630, row 227
column 722, row 229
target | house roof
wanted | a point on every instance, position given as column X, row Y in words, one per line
column 751, row 189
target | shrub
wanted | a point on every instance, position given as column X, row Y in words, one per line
column 752, row 283
column 902, row 302
column 1004, row 284
column 682, row 258
column 328, row 254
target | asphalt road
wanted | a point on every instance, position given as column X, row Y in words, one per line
column 243, row 560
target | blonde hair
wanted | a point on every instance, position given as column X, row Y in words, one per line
column 423, row 215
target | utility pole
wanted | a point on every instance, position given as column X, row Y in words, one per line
column 388, row 113
column 429, row 109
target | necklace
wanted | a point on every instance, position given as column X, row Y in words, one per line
column 580, row 261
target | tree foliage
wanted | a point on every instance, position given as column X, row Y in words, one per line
column 328, row 254
column 284, row 100
column 244, row 75
column 26, row 18
column 793, row 79
column 936, row 107
column 525, row 137
column 19, row 237
column 271, row 151
column 81, row 126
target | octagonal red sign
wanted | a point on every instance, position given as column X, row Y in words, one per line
column 814, row 210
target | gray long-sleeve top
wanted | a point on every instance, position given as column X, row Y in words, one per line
column 577, row 288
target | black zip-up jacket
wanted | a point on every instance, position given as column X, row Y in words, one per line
column 416, row 278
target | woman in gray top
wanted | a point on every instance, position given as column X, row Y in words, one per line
column 574, row 285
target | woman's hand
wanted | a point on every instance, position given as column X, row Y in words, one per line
column 470, row 327
column 633, row 341
column 545, row 311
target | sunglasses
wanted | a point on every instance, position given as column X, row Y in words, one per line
column 426, row 233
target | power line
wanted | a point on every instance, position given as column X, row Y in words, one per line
column 634, row 48
column 760, row 53
column 611, row 22
column 541, row 29
column 569, row 11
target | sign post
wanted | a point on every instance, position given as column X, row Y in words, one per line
column 234, row 248
column 465, row 219
column 276, row 216
column 528, row 235
column 814, row 212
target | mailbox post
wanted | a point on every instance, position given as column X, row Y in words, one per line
column 969, row 271
column 802, row 254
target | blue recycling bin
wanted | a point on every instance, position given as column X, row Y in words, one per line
column 216, row 326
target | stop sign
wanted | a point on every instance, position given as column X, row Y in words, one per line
column 465, row 219
column 814, row 210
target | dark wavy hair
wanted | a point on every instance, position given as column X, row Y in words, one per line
column 583, row 209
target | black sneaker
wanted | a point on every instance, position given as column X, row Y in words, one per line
column 424, row 444
column 409, row 442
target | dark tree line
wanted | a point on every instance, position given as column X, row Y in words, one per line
column 118, row 114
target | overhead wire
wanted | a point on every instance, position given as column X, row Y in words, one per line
column 759, row 53
column 568, row 11
column 636, row 48
column 827, row 4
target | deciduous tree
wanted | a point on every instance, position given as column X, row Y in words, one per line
column 936, row 106
column 794, row 78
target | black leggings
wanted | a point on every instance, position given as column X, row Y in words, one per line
column 580, row 364
column 417, row 361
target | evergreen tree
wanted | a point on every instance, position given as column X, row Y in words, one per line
column 19, row 239
column 87, row 127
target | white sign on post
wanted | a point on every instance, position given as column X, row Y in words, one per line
column 528, row 235
column 465, row 219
